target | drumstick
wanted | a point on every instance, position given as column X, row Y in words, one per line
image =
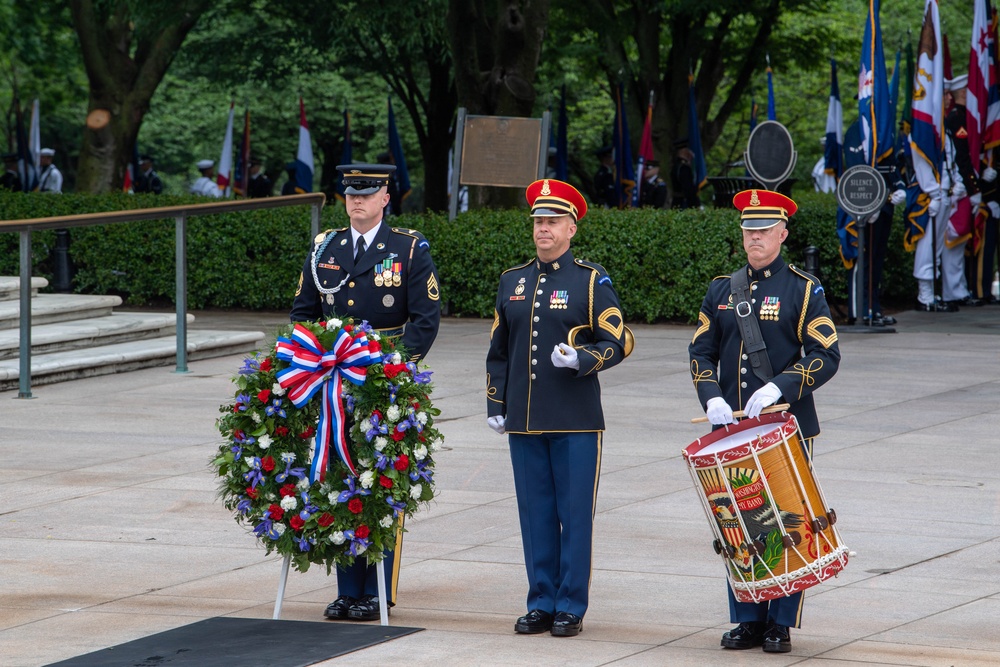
column 778, row 407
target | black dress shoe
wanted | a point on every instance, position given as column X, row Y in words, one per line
column 971, row 301
column 566, row 625
column 777, row 639
column 365, row 609
column 534, row 622
column 744, row 635
column 937, row 307
column 887, row 320
column 338, row 608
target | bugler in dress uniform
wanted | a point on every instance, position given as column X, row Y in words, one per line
column 557, row 323
column 384, row 275
column 801, row 339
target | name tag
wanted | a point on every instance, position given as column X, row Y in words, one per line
column 517, row 298
column 329, row 266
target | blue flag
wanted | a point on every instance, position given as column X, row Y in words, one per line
column 345, row 156
column 894, row 96
column 396, row 148
column 771, row 112
column 562, row 143
column 694, row 139
column 624, row 169
column 25, row 164
column 874, row 107
column 833, row 154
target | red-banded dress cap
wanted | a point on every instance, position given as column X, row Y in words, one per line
column 549, row 198
column 761, row 209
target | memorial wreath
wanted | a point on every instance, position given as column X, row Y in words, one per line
column 329, row 442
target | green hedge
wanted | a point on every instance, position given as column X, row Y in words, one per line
column 661, row 261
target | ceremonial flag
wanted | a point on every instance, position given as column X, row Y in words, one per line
column 224, row 174
column 35, row 139
column 132, row 169
column 874, row 107
column 624, row 169
column 928, row 112
column 983, row 97
column 771, row 112
column 894, row 94
column 947, row 56
column 396, row 148
column 304, row 166
column 242, row 184
column 25, row 164
column 345, row 156
column 562, row 141
column 645, row 151
column 833, row 153
column 694, row 139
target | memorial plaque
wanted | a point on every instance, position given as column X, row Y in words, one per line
column 500, row 151
column 770, row 155
column 861, row 191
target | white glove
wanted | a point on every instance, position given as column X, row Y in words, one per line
column 897, row 197
column 496, row 423
column 565, row 356
column 763, row 397
column 718, row 411
column 989, row 174
column 934, row 207
column 994, row 208
column 958, row 191
column 873, row 218
column 974, row 201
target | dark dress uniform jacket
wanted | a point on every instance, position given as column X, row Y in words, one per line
column 795, row 323
column 413, row 303
column 537, row 305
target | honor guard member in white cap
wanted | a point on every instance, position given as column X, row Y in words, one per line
column 557, row 323
column 385, row 275
column 205, row 185
column 51, row 179
column 790, row 310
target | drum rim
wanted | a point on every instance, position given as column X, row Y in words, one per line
column 781, row 420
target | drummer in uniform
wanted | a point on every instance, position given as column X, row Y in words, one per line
column 542, row 390
column 801, row 346
column 385, row 275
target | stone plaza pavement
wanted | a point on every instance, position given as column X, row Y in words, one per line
column 110, row 529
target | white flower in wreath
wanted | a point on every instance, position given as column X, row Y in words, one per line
column 420, row 453
column 361, row 549
column 421, row 418
column 436, row 446
column 332, row 497
column 416, row 490
column 373, row 335
column 367, row 479
column 396, row 358
column 392, row 414
column 288, row 503
column 277, row 389
column 255, row 416
column 303, row 484
column 380, row 443
column 365, row 463
column 333, row 324
column 279, row 528
column 337, row 537
column 264, row 441
column 385, row 521
column 271, row 497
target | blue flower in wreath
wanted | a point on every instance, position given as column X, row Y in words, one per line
column 244, row 506
column 242, row 402
column 254, row 476
column 351, row 491
column 376, row 429
column 418, row 377
column 396, row 505
column 421, row 473
column 250, row 366
column 302, row 543
column 275, row 409
column 348, row 403
column 237, row 452
column 381, row 460
column 266, row 528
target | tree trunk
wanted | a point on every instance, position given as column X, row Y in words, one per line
column 124, row 65
column 495, row 49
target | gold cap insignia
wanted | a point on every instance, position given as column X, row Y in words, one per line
column 754, row 200
column 545, row 188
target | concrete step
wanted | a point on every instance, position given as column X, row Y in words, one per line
column 10, row 287
column 90, row 332
column 48, row 308
column 127, row 356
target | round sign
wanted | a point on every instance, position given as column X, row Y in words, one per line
column 861, row 191
column 770, row 155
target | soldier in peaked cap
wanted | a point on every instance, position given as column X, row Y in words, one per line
column 385, row 275
column 543, row 391
column 801, row 355
column 10, row 179
column 147, row 180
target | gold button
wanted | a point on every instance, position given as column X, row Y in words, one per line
column 350, row 284
column 350, row 302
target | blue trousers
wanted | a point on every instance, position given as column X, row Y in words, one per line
column 783, row 611
column 361, row 579
column 555, row 478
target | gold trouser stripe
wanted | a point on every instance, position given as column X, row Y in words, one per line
column 593, row 510
column 398, row 556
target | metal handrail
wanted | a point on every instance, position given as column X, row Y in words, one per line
column 180, row 214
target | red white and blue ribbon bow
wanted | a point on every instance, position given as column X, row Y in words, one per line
column 313, row 369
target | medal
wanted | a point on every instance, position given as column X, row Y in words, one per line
column 329, row 299
column 388, row 300
column 397, row 280
column 559, row 299
column 378, row 280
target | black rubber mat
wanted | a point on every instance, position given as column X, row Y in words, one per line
column 247, row 642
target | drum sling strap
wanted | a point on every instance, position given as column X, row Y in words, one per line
column 753, row 342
